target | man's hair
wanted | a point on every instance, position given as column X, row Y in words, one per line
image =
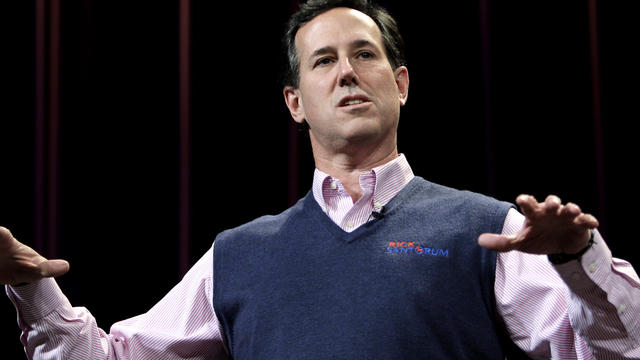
column 393, row 43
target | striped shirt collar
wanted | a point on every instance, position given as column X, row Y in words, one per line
column 379, row 186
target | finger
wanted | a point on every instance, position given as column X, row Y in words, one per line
column 587, row 220
column 497, row 242
column 5, row 234
column 528, row 205
column 570, row 210
column 552, row 204
column 53, row 268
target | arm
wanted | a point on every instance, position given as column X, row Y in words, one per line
column 182, row 325
column 584, row 309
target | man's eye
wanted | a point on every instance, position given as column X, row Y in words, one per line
column 365, row 55
column 323, row 61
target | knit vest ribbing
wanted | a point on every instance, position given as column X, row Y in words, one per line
column 411, row 285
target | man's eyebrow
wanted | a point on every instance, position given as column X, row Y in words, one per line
column 322, row 51
column 362, row 43
column 330, row 49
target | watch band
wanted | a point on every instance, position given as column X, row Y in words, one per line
column 561, row 258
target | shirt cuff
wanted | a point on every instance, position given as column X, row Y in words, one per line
column 593, row 267
column 37, row 300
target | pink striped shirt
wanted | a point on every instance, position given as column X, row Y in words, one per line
column 578, row 310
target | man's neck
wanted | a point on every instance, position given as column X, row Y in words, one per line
column 347, row 168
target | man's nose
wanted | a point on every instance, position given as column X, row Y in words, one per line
column 347, row 75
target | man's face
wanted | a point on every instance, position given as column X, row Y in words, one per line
column 348, row 93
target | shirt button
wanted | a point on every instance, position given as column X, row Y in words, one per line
column 592, row 268
column 622, row 308
column 349, row 224
column 377, row 206
column 334, row 185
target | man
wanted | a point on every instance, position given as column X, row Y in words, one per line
column 374, row 262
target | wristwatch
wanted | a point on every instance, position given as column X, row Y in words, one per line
column 561, row 258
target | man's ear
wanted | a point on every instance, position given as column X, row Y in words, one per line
column 294, row 103
column 402, row 81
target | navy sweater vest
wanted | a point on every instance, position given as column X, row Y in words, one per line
column 413, row 284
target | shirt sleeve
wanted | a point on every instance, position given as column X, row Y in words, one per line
column 182, row 325
column 587, row 309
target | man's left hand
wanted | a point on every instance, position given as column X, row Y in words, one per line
column 549, row 228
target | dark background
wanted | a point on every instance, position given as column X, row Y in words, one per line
column 506, row 98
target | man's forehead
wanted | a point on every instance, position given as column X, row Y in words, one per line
column 332, row 26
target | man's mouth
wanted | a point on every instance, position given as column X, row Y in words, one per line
column 353, row 100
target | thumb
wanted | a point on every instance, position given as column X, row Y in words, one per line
column 497, row 242
column 53, row 268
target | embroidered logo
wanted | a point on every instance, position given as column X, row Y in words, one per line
column 411, row 247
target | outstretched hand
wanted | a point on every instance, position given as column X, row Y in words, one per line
column 21, row 264
column 549, row 228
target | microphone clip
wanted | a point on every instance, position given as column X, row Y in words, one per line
column 378, row 214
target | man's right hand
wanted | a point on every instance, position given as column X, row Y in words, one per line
column 21, row 264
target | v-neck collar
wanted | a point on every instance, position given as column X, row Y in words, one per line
column 379, row 186
column 390, row 209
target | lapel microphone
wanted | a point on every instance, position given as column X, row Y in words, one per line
column 378, row 214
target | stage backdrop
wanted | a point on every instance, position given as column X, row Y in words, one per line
column 134, row 132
